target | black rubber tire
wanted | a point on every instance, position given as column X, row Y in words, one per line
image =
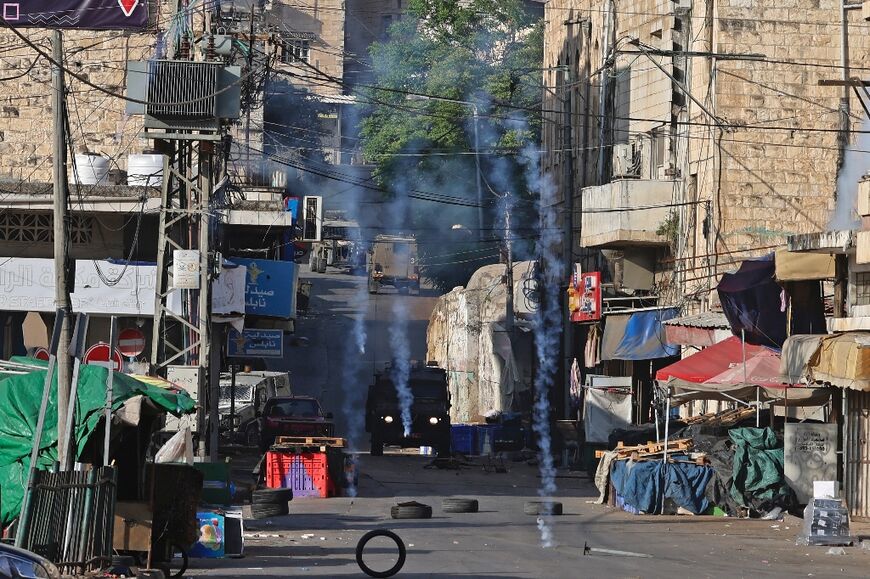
column 269, row 510
column 460, row 505
column 541, row 508
column 377, row 447
column 271, row 496
column 380, row 533
column 181, row 563
column 411, row 511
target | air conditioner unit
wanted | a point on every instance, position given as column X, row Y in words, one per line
column 183, row 94
column 625, row 162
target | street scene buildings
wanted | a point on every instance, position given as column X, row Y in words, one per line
column 526, row 288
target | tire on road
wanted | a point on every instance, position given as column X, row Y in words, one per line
column 271, row 496
column 452, row 505
column 542, row 508
column 252, row 435
column 264, row 511
column 412, row 510
column 380, row 533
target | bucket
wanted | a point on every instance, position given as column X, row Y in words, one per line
column 91, row 169
column 145, row 170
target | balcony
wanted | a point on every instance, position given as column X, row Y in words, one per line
column 607, row 223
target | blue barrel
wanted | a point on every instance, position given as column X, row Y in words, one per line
column 462, row 438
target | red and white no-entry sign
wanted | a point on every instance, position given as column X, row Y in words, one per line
column 131, row 342
column 99, row 355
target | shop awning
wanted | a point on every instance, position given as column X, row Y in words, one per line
column 843, row 360
column 798, row 266
column 797, row 354
column 753, row 302
column 717, row 373
column 638, row 335
column 698, row 330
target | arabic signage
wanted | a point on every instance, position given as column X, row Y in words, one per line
column 584, row 296
column 255, row 344
column 27, row 285
column 270, row 288
column 81, row 14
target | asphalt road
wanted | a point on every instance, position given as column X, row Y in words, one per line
column 319, row 537
column 327, row 365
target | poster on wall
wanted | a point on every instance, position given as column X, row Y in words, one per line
column 584, row 296
column 77, row 14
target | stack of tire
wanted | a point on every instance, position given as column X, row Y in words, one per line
column 267, row 503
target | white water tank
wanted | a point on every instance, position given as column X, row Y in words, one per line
column 145, row 170
column 91, row 169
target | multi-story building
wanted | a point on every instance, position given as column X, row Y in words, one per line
column 700, row 134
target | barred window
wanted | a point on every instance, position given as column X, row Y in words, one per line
column 862, row 289
column 296, row 51
column 38, row 228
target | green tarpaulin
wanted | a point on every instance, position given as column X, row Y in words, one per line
column 758, row 477
column 20, row 397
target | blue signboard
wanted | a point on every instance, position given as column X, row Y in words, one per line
column 271, row 287
column 255, row 344
column 82, row 14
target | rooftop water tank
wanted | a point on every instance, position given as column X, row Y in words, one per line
column 91, row 169
column 145, row 170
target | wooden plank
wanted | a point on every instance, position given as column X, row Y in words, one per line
column 310, row 441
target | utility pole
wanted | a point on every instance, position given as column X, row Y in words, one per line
column 480, row 234
column 509, row 273
column 61, row 235
column 568, row 248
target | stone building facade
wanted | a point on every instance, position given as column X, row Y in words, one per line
column 700, row 131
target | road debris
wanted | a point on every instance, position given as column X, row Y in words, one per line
column 587, row 550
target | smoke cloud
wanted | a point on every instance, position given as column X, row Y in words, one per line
column 401, row 370
column 855, row 165
column 353, row 401
column 547, row 331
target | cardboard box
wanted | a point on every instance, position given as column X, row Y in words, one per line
column 210, row 544
column 132, row 527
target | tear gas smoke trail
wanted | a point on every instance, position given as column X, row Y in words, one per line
column 855, row 165
column 353, row 364
column 401, row 370
column 547, row 330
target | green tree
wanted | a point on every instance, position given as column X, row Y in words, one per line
column 486, row 52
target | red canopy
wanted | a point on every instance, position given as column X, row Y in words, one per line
column 713, row 361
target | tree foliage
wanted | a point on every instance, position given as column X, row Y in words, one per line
column 485, row 52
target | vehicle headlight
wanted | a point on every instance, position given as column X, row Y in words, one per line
column 388, row 419
column 433, row 420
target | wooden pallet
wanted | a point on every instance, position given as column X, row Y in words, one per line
column 650, row 448
column 725, row 418
column 310, row 441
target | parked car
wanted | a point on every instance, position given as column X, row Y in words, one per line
column 293, row 416
column 252, row 391
column 430, row 412
column 16, row 562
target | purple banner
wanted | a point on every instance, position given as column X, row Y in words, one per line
column 82, row 14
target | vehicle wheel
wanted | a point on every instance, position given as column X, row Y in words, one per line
column 542, row 508
column 321, row 265
column 460, row 505
column 264, row 511
column 368, row 537
column 252, row 435
column 377, row 446
column 179, row 563
column 411, row 510
column 271, row 496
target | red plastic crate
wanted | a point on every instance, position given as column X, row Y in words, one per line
column 307, row 473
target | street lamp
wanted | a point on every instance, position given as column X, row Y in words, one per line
column 476, row 114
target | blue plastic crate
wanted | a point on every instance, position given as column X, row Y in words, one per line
column 462, row 438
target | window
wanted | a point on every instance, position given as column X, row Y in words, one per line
column 295, row 408
column 296, row 51
column 37, row 228
column 862, row 289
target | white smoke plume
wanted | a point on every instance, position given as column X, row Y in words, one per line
column 855, row 165
column 401, row 370
column 352, row 368
column 547, row 330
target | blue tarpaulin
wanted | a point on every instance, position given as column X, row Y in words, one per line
column 638, row 336
column 645, row 485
